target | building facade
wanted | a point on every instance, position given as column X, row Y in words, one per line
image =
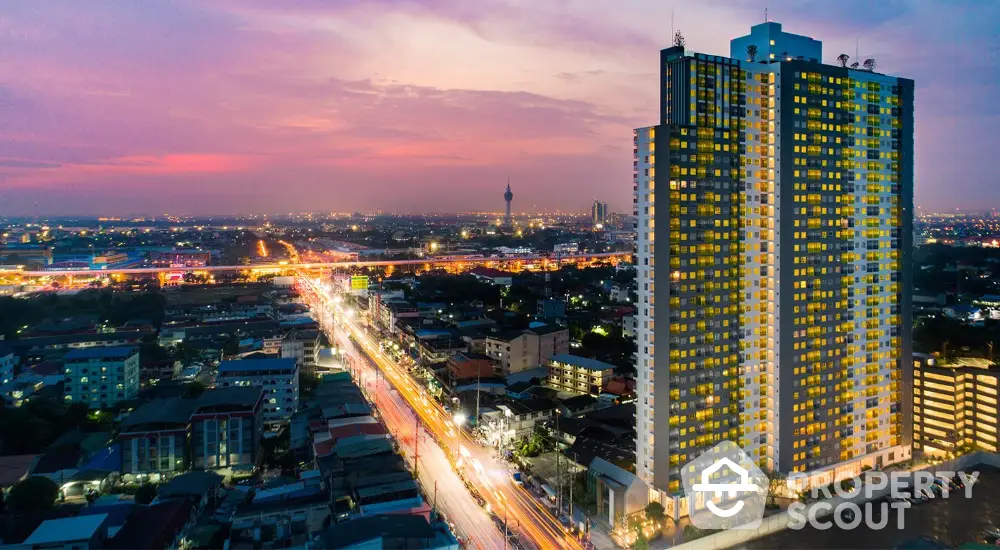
column 579, row 374
column 776, row 316
column 101, row 377
column 7, row 361
column 303, row 346
column 954, row 406
column 226, row 428
column 518, row 351
column 599, row 213
column 279, row 379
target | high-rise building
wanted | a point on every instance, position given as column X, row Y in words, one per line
column 599, row 213
column 507, row 197
column 774, row 291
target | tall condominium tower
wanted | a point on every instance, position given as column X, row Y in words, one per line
column 774, row 216
column 599, row 213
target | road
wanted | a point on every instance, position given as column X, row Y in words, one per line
column 443, row 486
column 543, row 260
column 526, row 517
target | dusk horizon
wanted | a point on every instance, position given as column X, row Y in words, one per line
column 418, row 106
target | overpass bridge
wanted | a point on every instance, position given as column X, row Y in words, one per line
column 435, row 261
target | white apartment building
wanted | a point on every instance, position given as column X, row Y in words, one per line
column 101, row 377
column 279, row 379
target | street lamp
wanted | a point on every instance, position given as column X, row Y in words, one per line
column 460, row 419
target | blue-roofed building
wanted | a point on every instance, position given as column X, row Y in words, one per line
column 579, row 374
column 279, row 379
column 101, row 377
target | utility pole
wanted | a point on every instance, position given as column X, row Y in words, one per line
column 416, row 445
column 477, row 395
column 506, row 534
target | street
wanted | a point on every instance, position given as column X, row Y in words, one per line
column 527, row 518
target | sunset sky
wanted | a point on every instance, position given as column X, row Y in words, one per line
column 241, row 106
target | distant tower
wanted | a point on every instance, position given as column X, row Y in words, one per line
column 507, row 197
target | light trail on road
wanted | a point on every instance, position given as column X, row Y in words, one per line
column 527, row 517
column 430, row 261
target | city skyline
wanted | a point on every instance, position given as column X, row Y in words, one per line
column 229, row 107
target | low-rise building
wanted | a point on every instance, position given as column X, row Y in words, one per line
column 154, row 438
column 493, row 276
column 516, row 351
column 579, row 374
column 468, row 366
column 7, row 361
column 101, row 377
column 226, row 428
column 551, row 308
column 303, row 346
column 279, row 379
column 219, row 429
column 514, row 419
column 78, row 532
column 955, row 405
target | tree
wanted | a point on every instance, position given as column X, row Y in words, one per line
column 777, row 485
column 146, row 493
column 843, row 59
column 679, row 39
column 752, row 52
column 870, row 65
column 655, row 512
column 641, row 543
column 33, row 495
column 232, row 346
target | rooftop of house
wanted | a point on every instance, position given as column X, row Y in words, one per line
column 394, row 531
column 579, row 402
column 241, row 396
column 153, row 526
column 105, row 353
column 465, row 356
column 582, row 362
column 55, row 461
column 527, row 406
column 584, row 450
column 490, row 272
column 160, row 412
column 254, row 365
column 13, row 468
column 76, row 528
column 191, row 484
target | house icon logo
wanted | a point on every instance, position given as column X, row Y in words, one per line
column 724, row 489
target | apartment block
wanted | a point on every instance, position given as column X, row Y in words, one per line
column 774, row 289
column 519, row 350
column 279, row 379
column 101, row 377
column 955, row 405
column 579, row 374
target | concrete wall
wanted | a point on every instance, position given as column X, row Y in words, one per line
column 779, row 522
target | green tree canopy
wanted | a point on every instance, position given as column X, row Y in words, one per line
column 33, row 495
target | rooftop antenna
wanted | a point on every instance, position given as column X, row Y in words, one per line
column 857, row 47
column 671, row 21
column 765, row 14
